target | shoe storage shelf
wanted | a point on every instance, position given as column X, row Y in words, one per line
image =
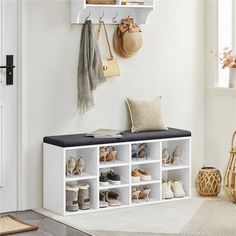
column 57, row 150
column 110, row 13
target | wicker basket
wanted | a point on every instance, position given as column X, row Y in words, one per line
column 230, row 173
column 208, row 182
column 100, row 2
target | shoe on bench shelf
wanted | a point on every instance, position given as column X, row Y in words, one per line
column 83, row 198
column 113, row 178
column 167, row 192
column 107, row 154
column 102, row 200
column 72, row 198
column 70, row 166
column 113, row 198
column 135, row 177
column 103, row 181
column 144, row 174
column 177, row 188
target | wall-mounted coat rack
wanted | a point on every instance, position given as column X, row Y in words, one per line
column 110, row 14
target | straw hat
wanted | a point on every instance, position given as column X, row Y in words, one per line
column 127, row 39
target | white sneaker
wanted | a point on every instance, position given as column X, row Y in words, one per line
column 166, row 191
column 177, row 188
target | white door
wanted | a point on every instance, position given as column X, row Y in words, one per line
column 8, row 106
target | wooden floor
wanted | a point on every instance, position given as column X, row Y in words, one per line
column 47, row 226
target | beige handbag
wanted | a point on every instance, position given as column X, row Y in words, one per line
column 110, row 65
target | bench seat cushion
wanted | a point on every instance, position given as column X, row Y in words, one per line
column 81, row 140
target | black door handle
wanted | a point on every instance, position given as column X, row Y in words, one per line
column 9, row 69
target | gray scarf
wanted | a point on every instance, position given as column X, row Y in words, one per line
column 90, row 73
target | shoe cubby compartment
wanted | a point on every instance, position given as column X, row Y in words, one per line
column 183, row 153
column 123, row 196
column 93, row 197
column 153, row 196
column 153, row 169
column 90, row 157
column 57, row 150
column 151, row 154
column 179, row 175
column 121, row 158
column 122, row 171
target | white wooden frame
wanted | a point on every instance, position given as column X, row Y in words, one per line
column 54, row 178
column 20, row 138
column 17, row 79
column 225, row 36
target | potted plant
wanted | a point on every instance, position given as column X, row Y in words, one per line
column 228, row 60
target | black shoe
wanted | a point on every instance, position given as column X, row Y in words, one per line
column 113, row 178
column 103, row 181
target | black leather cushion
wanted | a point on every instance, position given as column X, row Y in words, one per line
column 82, row 140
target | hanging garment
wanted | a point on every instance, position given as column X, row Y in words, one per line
column 90, row 72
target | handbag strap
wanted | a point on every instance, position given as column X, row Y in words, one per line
column 106, row 36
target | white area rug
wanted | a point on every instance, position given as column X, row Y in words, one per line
column 195, row 216
column 169, row 217
column 214, row 217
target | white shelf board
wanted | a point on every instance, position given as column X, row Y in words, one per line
column 112, row 186
column 84, row 176
column 175, row 199
column 175, row 167
column 144, row 161
column 110, row 164
column 117, row 6
column 80, row 10
column 113, row 207
column 137, row 6
column 145, row 182
column 69, row 213
column 144, row 201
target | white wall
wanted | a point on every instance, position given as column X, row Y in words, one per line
column 170, row 64
column 220, row 108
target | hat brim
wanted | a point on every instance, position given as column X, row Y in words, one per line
column 118, row 46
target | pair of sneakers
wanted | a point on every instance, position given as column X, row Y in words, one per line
column 110, row 177
column 171, row 189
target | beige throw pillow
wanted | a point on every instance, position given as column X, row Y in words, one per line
column 146, row 114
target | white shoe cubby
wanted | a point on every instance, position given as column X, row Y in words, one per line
column 154, row 196
column 92, row 192
column 183, row 161
column 179, row 174
column 124, row 176
column 55, row 178
column 122, row 158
